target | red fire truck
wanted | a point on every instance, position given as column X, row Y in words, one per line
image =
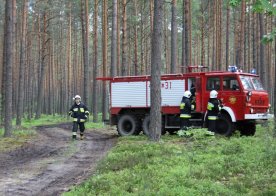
column 245, row 102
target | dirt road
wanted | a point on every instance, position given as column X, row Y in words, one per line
column 52, row 163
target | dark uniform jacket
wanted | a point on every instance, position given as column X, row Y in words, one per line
column 213, row 108
column 185, row 108
column 79, row 112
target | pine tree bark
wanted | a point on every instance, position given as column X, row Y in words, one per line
column 104, row 56
column 95, row 63
column 262, row 64
column 136, row 72
column 8, row 36
column 124, row 39
column 22, row 64
column 242, row 31
column 118, row 39
column 42, row 67
column 156, row 63
column 227, row 37
column 114, row 39
column 202, row 60
column 69, row 57
column 183, row 54
column 85, row 34
column 173, row 38
column 188, row 46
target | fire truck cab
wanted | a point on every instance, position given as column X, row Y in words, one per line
column 245, row 102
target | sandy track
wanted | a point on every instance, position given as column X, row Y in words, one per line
column 52, row 163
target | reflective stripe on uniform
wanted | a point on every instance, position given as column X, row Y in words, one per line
column 210, row 106
column 192, row 107
column 182, row 106
column 87, row 112
column 212, row 117
column 75, row 109
column 76, row 120
column 70, row 112
column 185, row 116
column 74, row 133
column 219, row 108
column 81, row 109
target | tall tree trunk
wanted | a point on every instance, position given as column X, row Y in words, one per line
column 151, row 14
column 42, row 67
column 263, row 71
column 8, row 67
column 173, row 38
column 135, row 41
column 95, row 63
column 85, row 34
column 188, row 46
column 218, row 36
column 227, row 37
column 202, row 61
column 156, row 63
column 166, row 37
column 124, row 39
column 118, row 39
column 22, row 64
column 242, row 29
column 114, row 39
column 274, row 83
column 69, row 57
column 254, row 45
column 183, row 54
column 104, row 56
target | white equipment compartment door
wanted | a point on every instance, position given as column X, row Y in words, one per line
column 172, row 92
column 128, row 94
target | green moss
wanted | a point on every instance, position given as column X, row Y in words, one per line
column 187, row 166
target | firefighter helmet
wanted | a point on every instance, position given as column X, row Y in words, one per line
column 77, row 97
column 187, row 94
column 213, row 94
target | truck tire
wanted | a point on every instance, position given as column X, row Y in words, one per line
column 146, row 123
column 224, row 125
column 128, row 124
column 248, row 129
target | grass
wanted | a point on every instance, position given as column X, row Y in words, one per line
column 45, row 120
column 198, row 165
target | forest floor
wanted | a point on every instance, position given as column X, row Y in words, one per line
column 52, row 163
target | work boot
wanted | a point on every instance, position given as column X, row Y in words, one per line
column 81, row 136
column 74, row 136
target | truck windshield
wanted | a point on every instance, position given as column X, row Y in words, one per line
column 251, row 83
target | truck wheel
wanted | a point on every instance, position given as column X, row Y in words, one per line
column 224, row 125
column 128, row 125
column 248, row 129
column 146, row 123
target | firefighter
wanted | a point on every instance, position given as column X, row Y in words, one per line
column 213, row 110
column 79, row 113
column 185, row 110
column 193, row 97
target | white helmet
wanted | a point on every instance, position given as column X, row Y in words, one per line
column 77, row 97
column 213, row 94
column 187, row 94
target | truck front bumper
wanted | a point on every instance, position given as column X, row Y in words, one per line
column 261, row 116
